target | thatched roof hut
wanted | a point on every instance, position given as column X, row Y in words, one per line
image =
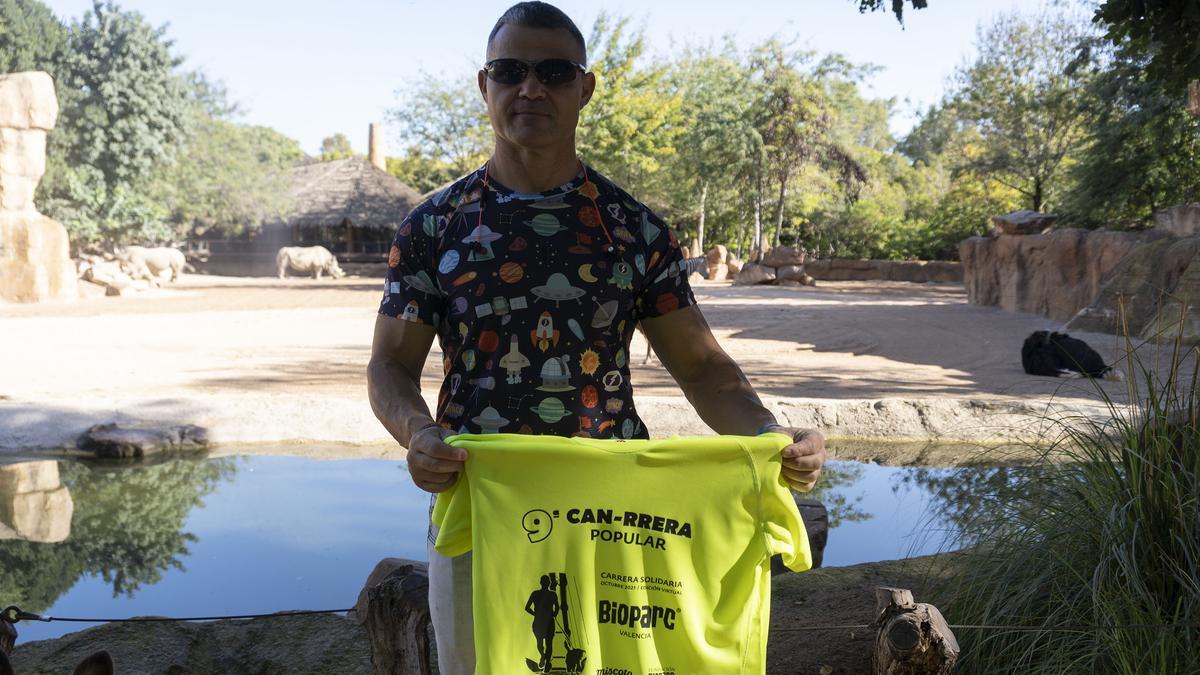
column 329, row 193
column 347, row 205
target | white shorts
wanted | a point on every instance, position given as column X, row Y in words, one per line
column 450, row 608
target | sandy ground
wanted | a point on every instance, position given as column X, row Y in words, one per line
column 253, row 343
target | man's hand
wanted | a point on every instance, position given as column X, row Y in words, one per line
column 803, row 459
column 434, row 465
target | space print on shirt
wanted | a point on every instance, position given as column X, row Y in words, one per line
column 535, row 298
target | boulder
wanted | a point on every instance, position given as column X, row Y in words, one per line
column 752, row 274
column 1024, row 222
column 734, row 266
column 1054, row 274
column 717, row 255
column 34, row 253
column 718, row 272
column 783, row 255
column 110, row 440
column 1179, row 221
column 791, row 273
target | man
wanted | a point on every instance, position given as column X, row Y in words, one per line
column 533, row 272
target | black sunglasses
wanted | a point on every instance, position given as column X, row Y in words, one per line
column 550, row 72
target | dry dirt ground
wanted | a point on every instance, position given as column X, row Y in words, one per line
column 840, row 340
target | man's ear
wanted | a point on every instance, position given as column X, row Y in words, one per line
column 589, row 88
column 481, row 78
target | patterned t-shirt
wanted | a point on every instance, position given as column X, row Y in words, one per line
column 535, row 298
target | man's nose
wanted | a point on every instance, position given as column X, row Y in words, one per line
column 531, row 87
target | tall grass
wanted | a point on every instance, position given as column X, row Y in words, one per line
column 1103, row 531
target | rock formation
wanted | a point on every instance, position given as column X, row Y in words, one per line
column 1150, row 287
column 35, row 263
column 1089, row 277
column 1054, row 274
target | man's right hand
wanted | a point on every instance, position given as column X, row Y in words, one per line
column 434, row 465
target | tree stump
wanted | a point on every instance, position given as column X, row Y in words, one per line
column 396, row 614
column 913, row 638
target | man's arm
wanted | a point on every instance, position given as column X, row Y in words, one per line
column 720, row 392
column 398, row 353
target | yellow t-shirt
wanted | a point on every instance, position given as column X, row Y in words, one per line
column 621, row 557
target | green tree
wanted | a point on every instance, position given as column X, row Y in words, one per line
column 1144, row 153
column 633, row 122
column 897, row 6
column 420, row 172
column 1162, row 34
column 1026, row 93
column 719, row 142
column 794, row 119
column 31, row 38
column 336, row 146
column 124, row 113
column 446, row 119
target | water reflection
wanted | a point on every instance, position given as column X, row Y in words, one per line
column 123, row 523
column 34, row 504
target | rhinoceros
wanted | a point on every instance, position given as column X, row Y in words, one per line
column 313, row 260
column 155, row 261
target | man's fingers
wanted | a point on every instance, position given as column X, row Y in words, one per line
column 795, row 476
column 428, row 463
column 804, row 462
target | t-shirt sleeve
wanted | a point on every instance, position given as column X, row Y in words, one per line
column 782, row 524
column 452, row 516
column 411, row 290
column 665, row 287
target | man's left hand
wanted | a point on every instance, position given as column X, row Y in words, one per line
column 803, row 459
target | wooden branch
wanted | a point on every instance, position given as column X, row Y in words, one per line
column 1194, row 98
column 913, row 638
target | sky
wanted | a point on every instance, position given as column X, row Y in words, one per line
column 313, row 69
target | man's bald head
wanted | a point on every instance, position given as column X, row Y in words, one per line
column 539, row 15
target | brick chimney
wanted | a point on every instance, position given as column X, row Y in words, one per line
column 375, row 145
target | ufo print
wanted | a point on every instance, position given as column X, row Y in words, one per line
column 558, row 289
column 489, row 421
column 551, row 203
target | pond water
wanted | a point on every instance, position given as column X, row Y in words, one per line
column 245, row 535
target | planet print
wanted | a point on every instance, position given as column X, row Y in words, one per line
column 394, row 256
column 545, row 224
column 518, row 244
column 589, row 216
column 459, row 306
column 511, row 272
column 667, row 302
column 489, row 341
column 550, row 410
column 589, row 397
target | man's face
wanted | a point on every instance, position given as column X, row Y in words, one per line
column 530, row 114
